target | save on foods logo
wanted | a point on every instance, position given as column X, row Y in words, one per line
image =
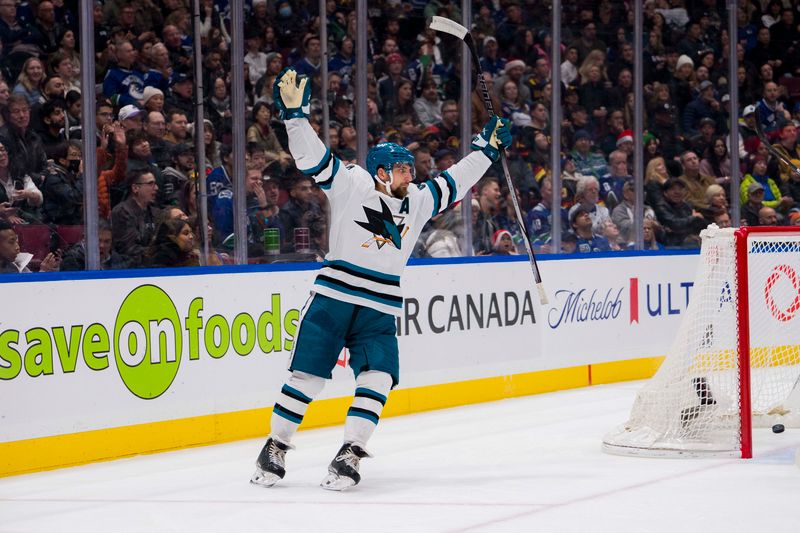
column 149, row 339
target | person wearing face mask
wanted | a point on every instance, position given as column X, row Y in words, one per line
column 63, row 185
column 289, row 26
column 285, row 9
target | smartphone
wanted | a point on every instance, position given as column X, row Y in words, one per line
column 18, row 186
column 55, row 243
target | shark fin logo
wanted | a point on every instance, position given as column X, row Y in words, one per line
column 385, row 227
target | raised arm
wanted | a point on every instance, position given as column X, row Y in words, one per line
column 310, row 154
column 291, row 94
column 454, row 183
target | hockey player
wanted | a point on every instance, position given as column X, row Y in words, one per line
column 376, row 217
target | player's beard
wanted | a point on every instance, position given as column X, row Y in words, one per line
column 400, row 191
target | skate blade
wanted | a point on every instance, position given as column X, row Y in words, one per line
column 336, row 482
column 264, row 479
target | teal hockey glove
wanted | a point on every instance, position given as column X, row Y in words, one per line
column 496, row 135
column 291, row 94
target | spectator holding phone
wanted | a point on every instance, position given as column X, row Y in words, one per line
column 12, row 261
column 15, row 195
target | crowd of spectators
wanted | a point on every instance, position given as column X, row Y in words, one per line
column 145, row 117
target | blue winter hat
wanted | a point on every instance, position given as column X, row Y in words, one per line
column 443, row 152
column 179, row 77
column 582, row 134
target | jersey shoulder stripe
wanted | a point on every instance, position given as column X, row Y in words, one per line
column 451, row 184
column 436, row 191
column 361, row 272
column 326, row 184
column 313, row 171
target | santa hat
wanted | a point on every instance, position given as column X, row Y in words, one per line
column 625, row 136
column 514, row 63
column 499, row 235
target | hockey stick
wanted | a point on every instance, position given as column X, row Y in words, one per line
column 768, row 145
column 453, row 28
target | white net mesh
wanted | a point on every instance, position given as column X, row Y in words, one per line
column 691, row 406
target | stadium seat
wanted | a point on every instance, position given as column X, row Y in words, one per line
column 34, row 239
column 792, row 86
column 70, row 235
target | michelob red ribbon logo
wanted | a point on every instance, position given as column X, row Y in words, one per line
column 634, row 292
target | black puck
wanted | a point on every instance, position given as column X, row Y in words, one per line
column 777, row 428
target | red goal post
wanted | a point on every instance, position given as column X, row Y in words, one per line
column 735, row 361
column 743, row 311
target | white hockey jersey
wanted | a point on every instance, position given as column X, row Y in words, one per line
column 373, row 234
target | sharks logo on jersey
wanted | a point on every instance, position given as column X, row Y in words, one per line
column 385, row 227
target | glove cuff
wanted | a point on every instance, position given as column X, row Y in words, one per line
column 492, row 153
column 479, row 142
column 294, row 113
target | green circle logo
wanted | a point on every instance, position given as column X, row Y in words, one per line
column 147, row 342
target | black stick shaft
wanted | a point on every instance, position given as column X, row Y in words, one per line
column 487, row 101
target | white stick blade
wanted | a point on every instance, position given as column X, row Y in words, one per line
column 448, row 26
column 542, row 294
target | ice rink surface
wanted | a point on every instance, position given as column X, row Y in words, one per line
column 530, row 464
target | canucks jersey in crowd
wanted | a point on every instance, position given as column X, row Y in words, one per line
column 597, row 243
column 374, row 233
column 126, row 86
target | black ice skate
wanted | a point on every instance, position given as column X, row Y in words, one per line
column 271, row 463
column 707, row 402
column 343, row 470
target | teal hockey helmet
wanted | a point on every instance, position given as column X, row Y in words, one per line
column 387, row 155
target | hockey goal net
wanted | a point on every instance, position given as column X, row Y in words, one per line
column 735, row 362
